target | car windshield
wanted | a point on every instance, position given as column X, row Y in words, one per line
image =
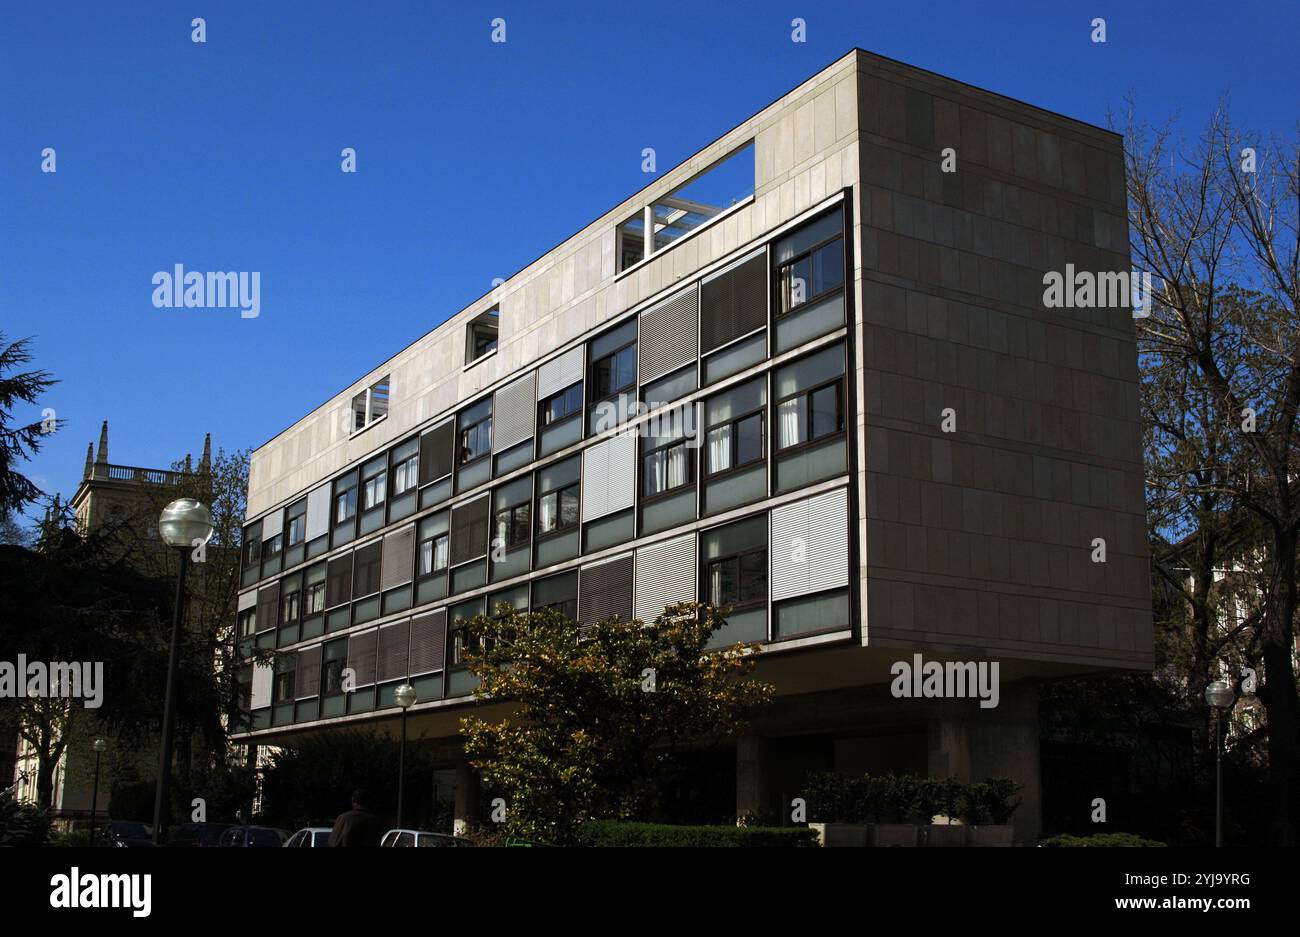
column 264, row 837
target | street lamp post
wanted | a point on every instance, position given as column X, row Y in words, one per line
column 1220, row 697
column 184, row 524
column 405, row 695
column 99, row 746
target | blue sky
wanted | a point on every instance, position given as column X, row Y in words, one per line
column 473, row 159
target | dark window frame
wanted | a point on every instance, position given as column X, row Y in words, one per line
column 560, row 527
column 733, row 423
column 247, row 622
column 707, row 570
column 300, row 519
column 413, row 477
column 615, row 392
column 510, row 509
column 779, row 311
column 380, row 504
column 461, row 461
column 433, row 556
column 676, row 489
column 812, row 441
column 293, row 598
column 544, row 406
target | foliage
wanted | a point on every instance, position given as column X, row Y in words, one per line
column 892, row 798
column 19, row 443
column 22, row 824
column 598, row 712
column 623, row 833
column 133, row 800
column 1099, row 839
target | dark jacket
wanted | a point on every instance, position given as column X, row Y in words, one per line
column 357, row 827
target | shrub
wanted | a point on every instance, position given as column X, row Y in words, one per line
column 618, row 833
column 894, row 798
column 22, row 824
column 1099, row 839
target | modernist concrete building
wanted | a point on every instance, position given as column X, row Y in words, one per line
column 899, row 449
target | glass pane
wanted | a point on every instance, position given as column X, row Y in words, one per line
column 522, row 522
column 625, row 368
column 652, row 475
column 792, row 422
column 795, row 286
column 753, row 577
column 569, row 507
column 749, row 439
column 825, row 411
column 547, row 507
column 828, row 267
column 719, row 449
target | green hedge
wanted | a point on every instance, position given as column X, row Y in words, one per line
column 1099, row 839
column 616, row 833
column 22, row 824
column 902, row 798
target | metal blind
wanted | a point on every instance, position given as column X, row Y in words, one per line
column 306, row 681
column 435, row 452
column 272, row 525
column 514, row 410
column 734, row 301
column 668, row 335
column 247, row 599
column 338, row 580
column 399, row 557
column 361, row 655
column 260, row 694
column 810, row 545
column 605, row 590
column 365, row 571
column 428, row 642
column 469, row 530
column 394, row 643
column 665, row 574
column 559, row 373
column 609, row 476
column 318, row 512
column 268, row 606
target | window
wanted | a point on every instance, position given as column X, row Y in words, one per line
column 433, row 555
column 513, row 525
column 333, row 676
column 345, row 505
column 272, row 546
column 297, row 523
column 365, row 575
column 559, row 593
column 613, row 373
column 557, row 510
column 289, row 608
column 374, row 489
column 371, row 405
column 665, row 468
column 405, row 475
column 283, row 689
column 253, row 549
column 248, row 622
column 812, row 276
column 810, row 416
column 563, row 405
column 314, row 597
column 481, row 336
column 727, row 182
column 476, row 441
column 738, row 581
column 734, row 444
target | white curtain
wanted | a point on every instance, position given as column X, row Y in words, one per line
column 793, row 422
column 720, row 449
column 676, row 466
column 547, row 511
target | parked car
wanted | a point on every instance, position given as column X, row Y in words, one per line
column 124, row 833
column 420, row 839
column 310, row 836
column 253, row 836
column 197, row 834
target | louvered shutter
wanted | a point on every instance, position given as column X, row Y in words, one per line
column 307, row 679
column 469, row 530
column 435, row 452
column 609, row 476
column 559, row 373
column 247, row 600
column 428, row 642
column 733, row 302
column 668, row 333
column 361, row 656
column 514, row 409
column 810, row 545
column 338, row 580
column 260, row 694
column 268, row 606
column 318, row 512
column 665, row 574
column 399, row 557
column 394, row 645
column 605, row 590
column 272, row 525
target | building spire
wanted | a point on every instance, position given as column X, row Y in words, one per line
column 90, row 459
column 102, row 457
column 205, row 462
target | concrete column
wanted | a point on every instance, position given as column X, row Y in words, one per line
column 467, row 789
column 751, row 777
column 949, row 746
column 1006, row 745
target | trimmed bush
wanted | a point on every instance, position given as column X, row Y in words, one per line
column 1099, row 839
column 618, row 833
column 22, row 824
column 892, row 798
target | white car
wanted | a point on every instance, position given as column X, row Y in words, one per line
column 419, row 839
column 310, row 836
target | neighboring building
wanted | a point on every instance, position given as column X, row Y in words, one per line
column 108, row 495
column 830, row 300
